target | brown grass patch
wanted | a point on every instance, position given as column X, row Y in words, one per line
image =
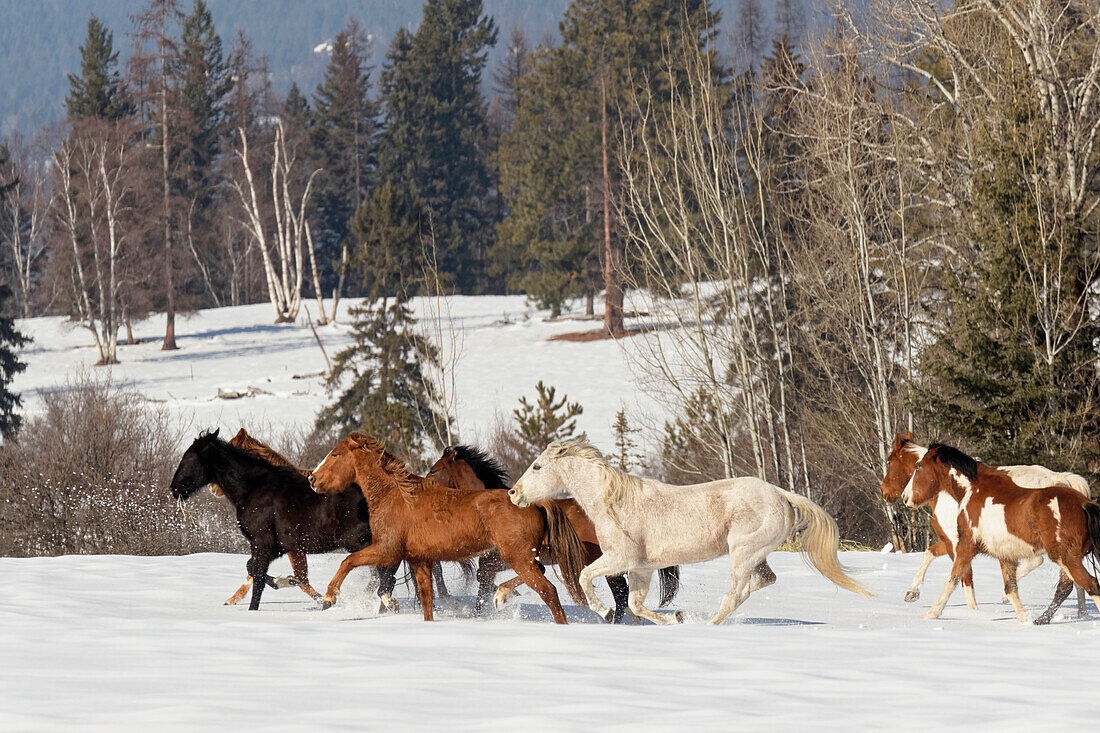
column 585, row 336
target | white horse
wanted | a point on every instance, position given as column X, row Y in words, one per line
column 644, row 524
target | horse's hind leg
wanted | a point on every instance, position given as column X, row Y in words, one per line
column 488, row 565
column 1008, row 571
column 1024, row 567
column 527, row 567
column 937, row 550
column 437, row 573
column 762, row 577
column 423, row 574
column 968, row 589
column 241, row 592
column 620, row 591
column 601, row 567
column 387, row 581
column 1082, row 578
column 639, row 588
column 300, row 566
column 743, row 568
column 1061, row 592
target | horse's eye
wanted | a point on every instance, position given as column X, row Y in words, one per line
column 916, row 467
column 535, row 467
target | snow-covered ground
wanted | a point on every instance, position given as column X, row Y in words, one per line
column 504, row 351
column 114, row 643
column 136, row 643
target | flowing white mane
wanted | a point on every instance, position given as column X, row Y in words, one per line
column 617, row 485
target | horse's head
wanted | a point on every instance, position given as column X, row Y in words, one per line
column 942, row 468
column 336, row 471
column 193, row 472
column 899, row 467
column 443, row 470
column 544, row 479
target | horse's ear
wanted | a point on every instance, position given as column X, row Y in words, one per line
column 242, row 434
column 908, row 434
column 216, row 431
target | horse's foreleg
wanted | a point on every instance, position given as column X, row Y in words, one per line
column 933, row 551
column 369, row 555
column 300, row 568
column 964, row 555
column 600, row 568
column 968, row 590
column 241, row 592
column 257, row 568
column 639, row 581
column 1061, row 592
column 423, row 573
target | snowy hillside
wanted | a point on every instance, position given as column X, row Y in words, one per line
column 110, row 643
column 504, row 352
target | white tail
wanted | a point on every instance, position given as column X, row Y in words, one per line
column 820, row 540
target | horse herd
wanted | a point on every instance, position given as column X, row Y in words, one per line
column 574, row 509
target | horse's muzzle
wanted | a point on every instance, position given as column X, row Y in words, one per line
column 517, row 498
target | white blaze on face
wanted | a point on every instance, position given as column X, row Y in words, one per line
column 907, row 495
column 318, row 467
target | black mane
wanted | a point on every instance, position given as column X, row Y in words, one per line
column 242, row 456
column 956, row 459
column 486, row 468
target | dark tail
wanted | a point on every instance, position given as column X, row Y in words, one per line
column 670, row 584
column 567, row 550
column 1092, row 522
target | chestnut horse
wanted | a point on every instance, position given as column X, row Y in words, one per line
column 899, row 469
column 467, row 467
column 421, row 522
column 1008, row 522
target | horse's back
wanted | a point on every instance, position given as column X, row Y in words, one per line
column 1041, row 477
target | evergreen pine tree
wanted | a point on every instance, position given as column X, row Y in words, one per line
column 990, row 377
column 434, row 137
column 97, row 93
column 547, row 419
column 627, row 455
column 344, row 134
column 10, row 341
column 204, row 85
column 386, row 394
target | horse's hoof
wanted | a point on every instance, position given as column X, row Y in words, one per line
column 286, row 581
column 930, row 616
column 679, row 616
column 1005, row 600
column 326, row 604
column 500, row 598
column 912, row 595
column 608, row 616
column 1042, row 620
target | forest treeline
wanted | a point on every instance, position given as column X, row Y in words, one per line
column 889, row 224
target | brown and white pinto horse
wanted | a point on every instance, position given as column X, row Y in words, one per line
column 899, row 469
column 417, row 520
column 1008, row 522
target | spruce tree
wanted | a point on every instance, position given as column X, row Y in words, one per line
column 627, row 455
column 546, row 419
column 204, row 83
column 10, row 341
column 434, row 137
column 97, row 93
column 991, row 377
column 343, row 134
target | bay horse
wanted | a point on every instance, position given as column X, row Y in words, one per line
column 276, row 509
column 421, row 522
column 899, row 469
column 643, row 524
column 1010, row 523
column 467, row 467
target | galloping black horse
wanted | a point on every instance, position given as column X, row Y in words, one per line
column 276, row 509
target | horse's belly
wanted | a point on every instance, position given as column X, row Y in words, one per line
column 994, row 536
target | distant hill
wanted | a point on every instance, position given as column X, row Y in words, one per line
column 39, row 39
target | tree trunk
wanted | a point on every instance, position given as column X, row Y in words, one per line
column 613, row 289
column 169, row 287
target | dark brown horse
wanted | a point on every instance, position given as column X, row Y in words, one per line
column 421, row 522
column 1012, row 523
column 276, row 509
column 467, row 467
